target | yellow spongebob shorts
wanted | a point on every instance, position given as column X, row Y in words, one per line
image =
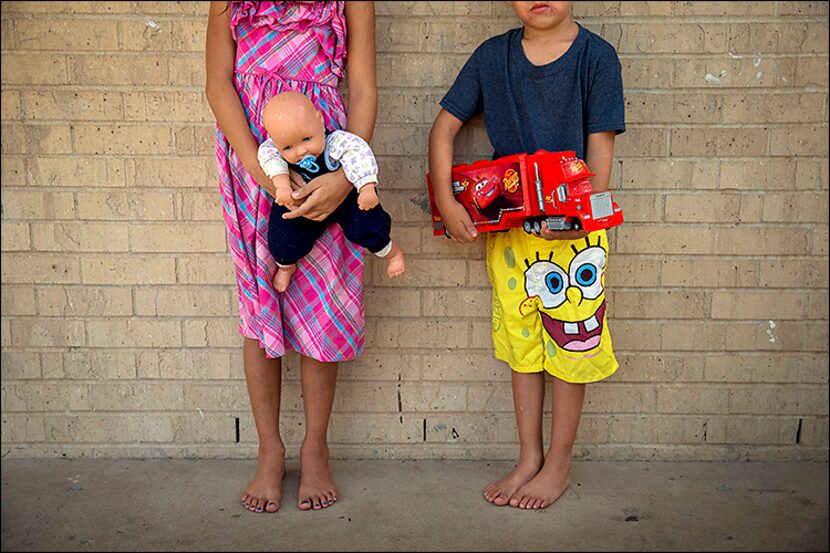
column 549, row 305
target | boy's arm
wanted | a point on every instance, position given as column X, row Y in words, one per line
column 276, row 168
column 599, row 156
column 457, row 221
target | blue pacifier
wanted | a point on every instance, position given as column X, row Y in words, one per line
column 309, row 163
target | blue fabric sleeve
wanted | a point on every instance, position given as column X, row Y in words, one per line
column 464, row 100
column 605, row 108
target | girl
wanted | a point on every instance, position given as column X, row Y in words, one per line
column 255, row 50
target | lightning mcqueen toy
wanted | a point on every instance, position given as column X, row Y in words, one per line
column 523, row 190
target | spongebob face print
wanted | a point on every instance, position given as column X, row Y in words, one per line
column 569, row 294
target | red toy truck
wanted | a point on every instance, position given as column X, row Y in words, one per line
column 523, row 190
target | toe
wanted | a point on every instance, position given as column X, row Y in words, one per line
column 501, row 500
column 304, row 504
column 260, row 504
column 272, row 507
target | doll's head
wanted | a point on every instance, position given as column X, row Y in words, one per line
column 295, row 126
column 542, row 16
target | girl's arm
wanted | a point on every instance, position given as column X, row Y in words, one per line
column 220, row 54
column 599, row 155
column 457, row 221
column 324, row 194
column 362, row 79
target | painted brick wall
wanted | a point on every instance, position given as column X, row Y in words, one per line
column 118, row 301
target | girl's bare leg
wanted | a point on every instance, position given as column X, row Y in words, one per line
column 317, row 489
column 264, row 378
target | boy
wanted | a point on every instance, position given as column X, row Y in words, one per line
column 556, row 86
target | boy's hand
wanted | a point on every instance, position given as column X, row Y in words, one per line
column 457, row 222
column 548, row 234
column 367, row 198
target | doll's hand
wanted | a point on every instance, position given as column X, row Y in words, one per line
column 457, row 222
column 284, row 198
column 367, row 198
column 548, row 234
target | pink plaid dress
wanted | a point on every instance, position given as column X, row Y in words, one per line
column 289, row 46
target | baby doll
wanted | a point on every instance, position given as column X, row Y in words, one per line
column 298, row 140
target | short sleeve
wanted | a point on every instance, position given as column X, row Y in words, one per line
column 605, row 108
column 464, row 100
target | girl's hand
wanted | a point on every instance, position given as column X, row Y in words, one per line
column 457, row 222
column 548, row 234
column 297, row 181
column 321, row 196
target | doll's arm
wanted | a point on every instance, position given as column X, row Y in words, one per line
column 277, row 170
column 270, row 159
column 356, row 156
column 359, row 165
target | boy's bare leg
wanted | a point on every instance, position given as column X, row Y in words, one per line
column 264, row 377
column 555, row 477
column 317, row 489
column 528, row 399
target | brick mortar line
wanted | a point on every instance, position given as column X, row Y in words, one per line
column 667, row 19
column 199, row 90
column 418, row 414
column 392, row 383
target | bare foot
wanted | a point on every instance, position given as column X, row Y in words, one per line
column 396, row 263
column 500, row 491
column 317, row 489
column 545, row 488
column 264, row 493
column 283, row 276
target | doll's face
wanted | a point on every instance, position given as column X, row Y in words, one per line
column 542, row 15
column 296, row 127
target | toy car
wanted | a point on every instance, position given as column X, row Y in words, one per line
column 486, row 190
column 523, row 190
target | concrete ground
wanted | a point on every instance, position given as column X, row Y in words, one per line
column 176, row 505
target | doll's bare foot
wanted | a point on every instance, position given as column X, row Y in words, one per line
column 283, row 276
column 500, row 491
column 264, row 493
column 396, row 262
column 317, row 489
column 546, row 487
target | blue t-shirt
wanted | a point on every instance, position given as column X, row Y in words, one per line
column 551, row 107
